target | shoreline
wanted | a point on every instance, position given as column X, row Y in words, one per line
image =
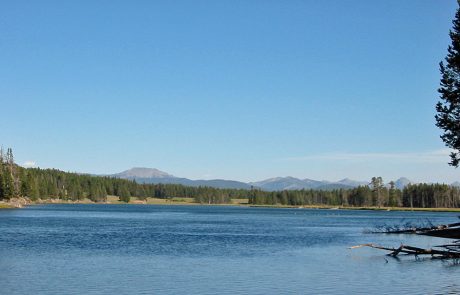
column 18, row 203
column 327, row 207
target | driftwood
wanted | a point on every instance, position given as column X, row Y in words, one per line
column 448, row 231
column 409, row 250
column 447, row 251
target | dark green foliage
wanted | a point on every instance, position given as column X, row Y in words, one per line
column 417, row 195
column 361, row 196
column 379, row 192
column 431, row 196
column 124, row 194
column 8, row 177
column 394, row 196
column 448, row 108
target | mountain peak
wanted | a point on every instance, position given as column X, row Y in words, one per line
column 142, row 172
column 346, row 180
column 351, row 182
column 154, row 176
column 402, row 182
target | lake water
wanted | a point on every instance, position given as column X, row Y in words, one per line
column 142, row 249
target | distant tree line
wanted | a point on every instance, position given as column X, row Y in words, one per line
column 413, row 195
column 36, row 183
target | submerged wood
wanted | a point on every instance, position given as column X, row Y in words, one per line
column 448, row 231
column 409, row 250
column 446, row 251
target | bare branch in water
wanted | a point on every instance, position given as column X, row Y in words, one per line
column 450, row 231
column 442, row 253
column 446, row 251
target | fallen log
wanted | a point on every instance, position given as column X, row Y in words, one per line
column 393, row 250
column 446, row 251
column 447, row 233
column 410, row 250
column 397, row 251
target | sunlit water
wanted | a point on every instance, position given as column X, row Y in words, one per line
column 140, row 249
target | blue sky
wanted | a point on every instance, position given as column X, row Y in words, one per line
column 241, row 90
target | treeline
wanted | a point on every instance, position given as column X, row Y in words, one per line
column 431, row 196
column 362, row 196
column 36, row 183
column 414, row 195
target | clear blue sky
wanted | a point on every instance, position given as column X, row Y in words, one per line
column 241, row 90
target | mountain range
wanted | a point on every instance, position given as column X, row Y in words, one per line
column 155, row 176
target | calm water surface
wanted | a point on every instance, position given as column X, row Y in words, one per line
column 141, row 249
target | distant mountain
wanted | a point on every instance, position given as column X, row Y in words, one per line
column 141, row 172
column 352, row 183
column 155, row 176
column 222, row 183
column 292, row 183
column 456, row 184
column 285, row 183
column 402, row 182
column 310, row 183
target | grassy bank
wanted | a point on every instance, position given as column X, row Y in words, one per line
column 6, row 206
column 359, row 208
column 135, row 200
column 234, row 202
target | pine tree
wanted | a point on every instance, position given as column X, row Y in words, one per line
column 377, row 187
column 12, row 180
column 448, row 108
column 124, row 194
column 2, row 172
column 393, row 195
column 8, row 184
column 34, row 192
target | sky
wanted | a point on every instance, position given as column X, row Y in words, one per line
column 242, row 90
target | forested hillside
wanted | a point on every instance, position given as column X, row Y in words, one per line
column 36, row 183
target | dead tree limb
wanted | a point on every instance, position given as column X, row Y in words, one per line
column 409, row 250
column 448, row 231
